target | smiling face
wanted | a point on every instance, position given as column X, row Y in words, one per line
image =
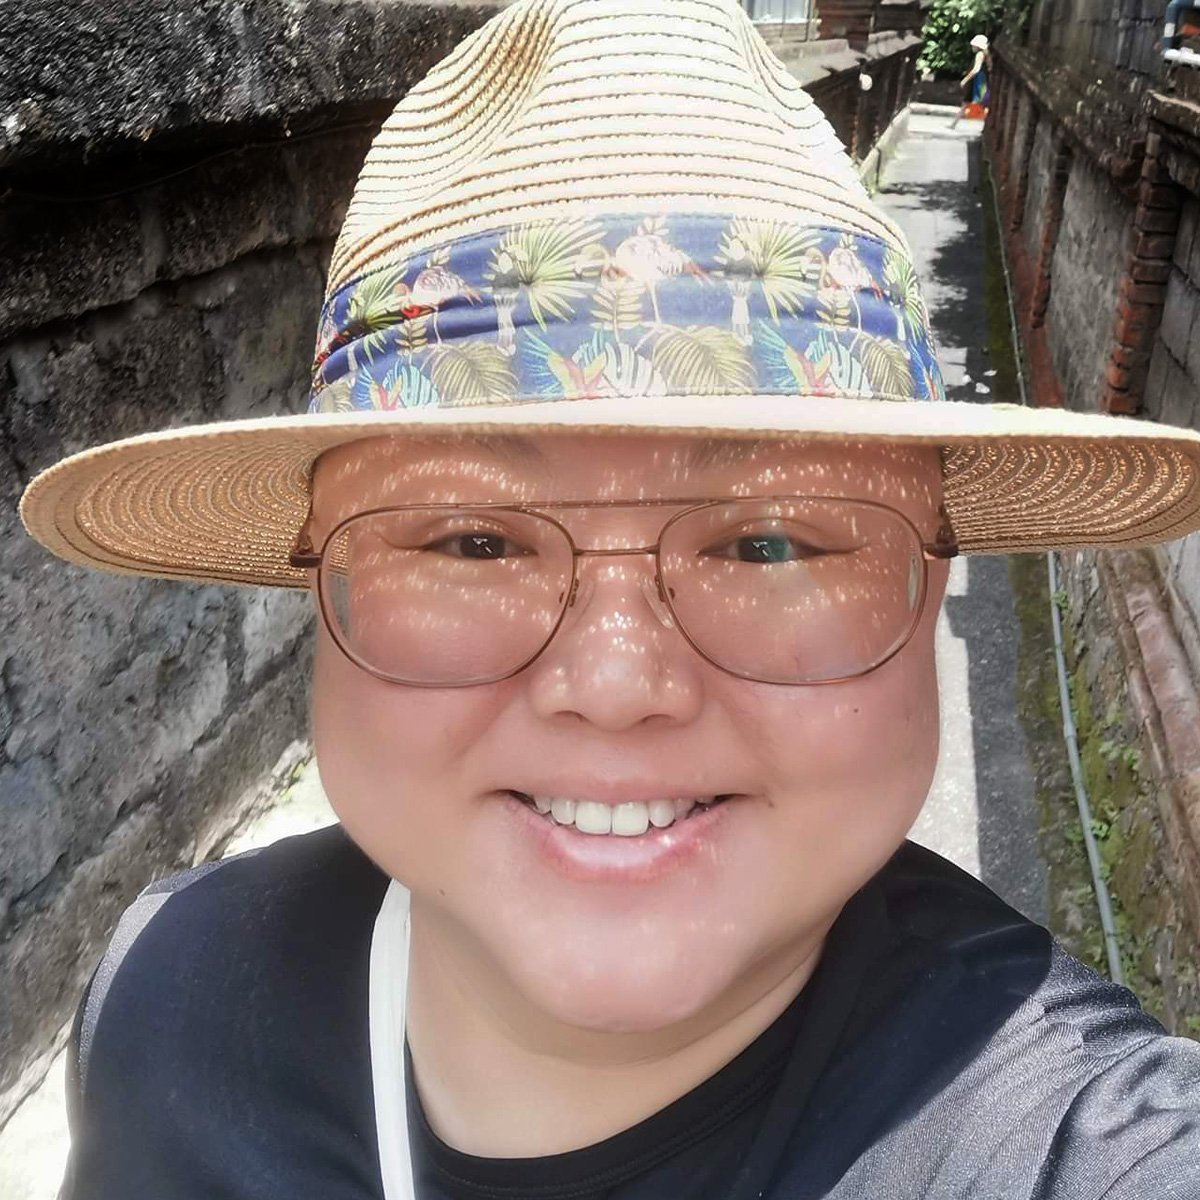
column 746, row 813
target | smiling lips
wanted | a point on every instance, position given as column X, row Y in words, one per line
column 628, row 819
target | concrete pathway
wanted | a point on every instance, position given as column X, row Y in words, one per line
column 982, row 810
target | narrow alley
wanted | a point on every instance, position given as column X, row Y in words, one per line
column 982, row 812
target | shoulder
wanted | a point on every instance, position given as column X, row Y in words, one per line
column 200, row 936
column 963, row 933
column 1050, row 1080
column 230, row 996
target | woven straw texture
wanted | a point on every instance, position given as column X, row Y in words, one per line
column 566, row 108
column 560, row 107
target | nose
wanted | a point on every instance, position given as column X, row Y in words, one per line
column 618, row 661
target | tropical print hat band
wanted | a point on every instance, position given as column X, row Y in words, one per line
column 647, row 306
column 612, row 217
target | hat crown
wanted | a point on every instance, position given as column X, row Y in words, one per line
column 559, row 106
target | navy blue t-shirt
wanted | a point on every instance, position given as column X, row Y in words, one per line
column 945, row 1047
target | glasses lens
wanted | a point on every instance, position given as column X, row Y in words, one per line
column 442, row 596
column 794, row 591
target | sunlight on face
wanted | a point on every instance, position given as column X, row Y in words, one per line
column 822, row 781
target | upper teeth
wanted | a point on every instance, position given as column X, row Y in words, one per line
column 625, row 820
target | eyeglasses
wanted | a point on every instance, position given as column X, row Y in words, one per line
column 778, row 589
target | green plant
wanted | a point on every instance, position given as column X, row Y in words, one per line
column 949, row 28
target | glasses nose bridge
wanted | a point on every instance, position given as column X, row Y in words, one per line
column 662, row 606
column 616, row 551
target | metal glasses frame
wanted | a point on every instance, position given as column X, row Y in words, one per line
column 305, row 556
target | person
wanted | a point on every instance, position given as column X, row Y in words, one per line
column 975, row 106
column 624, row 694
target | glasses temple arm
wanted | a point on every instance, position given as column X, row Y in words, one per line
column 303, row 554
column 945, row 544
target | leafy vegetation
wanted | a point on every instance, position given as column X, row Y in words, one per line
column 949, row 28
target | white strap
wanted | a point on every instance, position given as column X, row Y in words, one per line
column 387, row 995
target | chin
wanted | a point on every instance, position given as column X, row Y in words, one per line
column 625, row 1007
column 626, row 990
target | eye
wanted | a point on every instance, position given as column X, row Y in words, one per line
column 765, row 548
column 479, row 545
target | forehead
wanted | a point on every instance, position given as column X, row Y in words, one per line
column 401, row 470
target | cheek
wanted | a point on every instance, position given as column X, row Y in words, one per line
column 391, row 758
column 850, row 766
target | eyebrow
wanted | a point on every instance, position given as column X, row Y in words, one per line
column 511, row 447
column 708, row 452
column 723, row 452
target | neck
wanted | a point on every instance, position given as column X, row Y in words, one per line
column 499, row 1078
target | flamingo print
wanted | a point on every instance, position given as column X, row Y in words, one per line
column 847, row 271
column 645, row 258
column 435, row 286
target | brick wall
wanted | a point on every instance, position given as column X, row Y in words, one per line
column 849, row 19
column 1021, row 141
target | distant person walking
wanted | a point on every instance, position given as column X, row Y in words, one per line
column 976, row 104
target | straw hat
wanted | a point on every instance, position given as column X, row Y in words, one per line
column 612, row 216
column 979, row 42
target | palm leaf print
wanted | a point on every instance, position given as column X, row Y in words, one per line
column 544, row 257
column 373, row 303
column 374, row 310
column 472, row 373
column 786, row 370
column 835, row 308
column 336, row 398
column 785, row 259
column 413, row 335
column 554, row 374
column 703, row 360
column 406, row 387
column 837, row 370
column 622, row 370
column 901, row 277
column 886, row 364
column 617, row 304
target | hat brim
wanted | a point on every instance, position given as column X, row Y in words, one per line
column 224, row 502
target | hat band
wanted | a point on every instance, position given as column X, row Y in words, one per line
column 629, row 306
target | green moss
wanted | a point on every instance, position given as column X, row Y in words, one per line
column 1074, row 917
column 1125, row 819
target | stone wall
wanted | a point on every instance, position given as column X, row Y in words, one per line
column 1122, row 34
column 1041, row 155
column 1085, row 275
column 1118, row 640
column 1095, row 148
column 174, row 176
column 1173, row 395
